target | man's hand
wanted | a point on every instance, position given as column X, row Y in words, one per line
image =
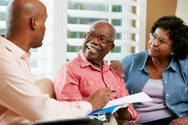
column 124, row 114
column 118, row 68
column 180, row 121
column 123, row 117
column 99, row 98
column 124, row 122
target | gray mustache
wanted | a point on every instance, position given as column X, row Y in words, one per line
column 92, row 45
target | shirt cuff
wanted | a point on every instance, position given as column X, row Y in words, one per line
column 86, row 106
column 134, row 115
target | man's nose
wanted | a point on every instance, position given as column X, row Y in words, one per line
column 95, row 41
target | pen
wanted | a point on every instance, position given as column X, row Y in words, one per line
column 113, row 91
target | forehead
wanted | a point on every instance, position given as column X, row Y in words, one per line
column 162, row 32
column 102, row 28
column 46, row 15
column 42, row 9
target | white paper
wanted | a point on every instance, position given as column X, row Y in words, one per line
column 138, row 97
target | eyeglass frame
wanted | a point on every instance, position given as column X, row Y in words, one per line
column 153, row 37
column 97, row 36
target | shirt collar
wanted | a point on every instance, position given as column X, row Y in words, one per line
column 14, row 48
column 84, row 62
column 173, row 65
column 141, row 65
column 143, row 61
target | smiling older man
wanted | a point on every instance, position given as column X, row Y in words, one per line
column 89, row 72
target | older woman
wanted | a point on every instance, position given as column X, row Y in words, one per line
column 162, row 73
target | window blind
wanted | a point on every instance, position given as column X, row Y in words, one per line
column 41, row 60
column 69, row 20
column 128, row 17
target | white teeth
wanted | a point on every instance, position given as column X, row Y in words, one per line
column 90, row 45
column 92, row 49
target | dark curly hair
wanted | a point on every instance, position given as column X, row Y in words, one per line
column 178, row 33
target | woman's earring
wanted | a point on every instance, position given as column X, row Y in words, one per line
column 172, row 53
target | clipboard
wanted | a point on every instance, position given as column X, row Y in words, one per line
column 76, row 121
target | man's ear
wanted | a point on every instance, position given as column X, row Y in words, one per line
column 111, row 47
column 33, row 23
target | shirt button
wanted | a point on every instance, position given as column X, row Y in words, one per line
column 181, row 116
column 165, row 82
column 167, row 94
column 185, row 89
column 172, row 107
column 119, row 87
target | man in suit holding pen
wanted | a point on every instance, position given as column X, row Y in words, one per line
column 78, row 78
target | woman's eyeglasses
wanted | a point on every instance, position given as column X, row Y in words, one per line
column 159, row 40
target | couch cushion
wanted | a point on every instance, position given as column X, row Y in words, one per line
column 46, row 86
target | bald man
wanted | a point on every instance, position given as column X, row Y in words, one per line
column 89, row 71
column 20, row 100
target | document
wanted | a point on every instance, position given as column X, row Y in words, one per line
column 122, row 102
column 102, row 115
column 138, row 97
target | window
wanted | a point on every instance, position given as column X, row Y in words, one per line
column 41, row 61
column 69, row 20
column 3, row 4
